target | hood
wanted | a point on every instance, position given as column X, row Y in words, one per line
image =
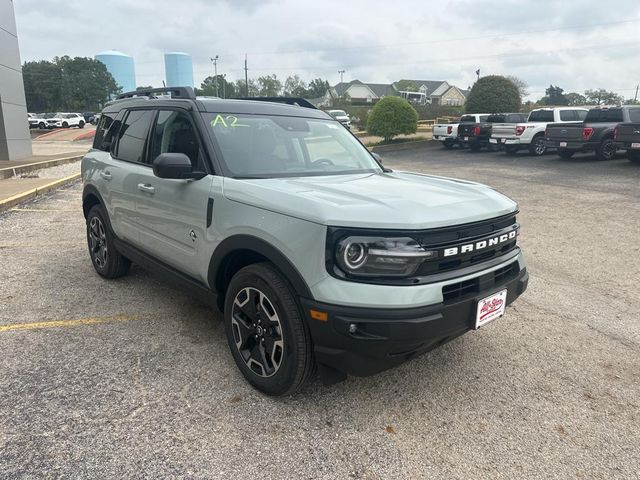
column 398, row 200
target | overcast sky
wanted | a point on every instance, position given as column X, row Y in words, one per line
column 573, row 44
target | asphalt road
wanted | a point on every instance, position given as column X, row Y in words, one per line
column 137, row 380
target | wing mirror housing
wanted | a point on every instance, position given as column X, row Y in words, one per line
column 176, row 166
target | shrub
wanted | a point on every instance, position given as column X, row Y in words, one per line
column 392, row 116
column 493, row 94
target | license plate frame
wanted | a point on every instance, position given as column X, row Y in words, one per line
column 490, row 308
column 635, row 145
column 563, row 144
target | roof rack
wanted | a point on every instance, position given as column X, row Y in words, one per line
column 296, row 101
column 176, row 92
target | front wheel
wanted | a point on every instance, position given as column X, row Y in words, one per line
column 268, row 338
column 81, row 124
column 65, row 125
column 538, row 146
column 564, row 153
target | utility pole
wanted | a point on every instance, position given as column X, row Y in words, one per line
column 246, row 77
column 635, row 99
column 478, row 74
column 341, row 72
column 215, row 70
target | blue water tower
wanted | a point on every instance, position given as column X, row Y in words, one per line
column 120, row 66
column 178, row 69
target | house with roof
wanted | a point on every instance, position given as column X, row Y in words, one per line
column 357, row 92
column 430, row 92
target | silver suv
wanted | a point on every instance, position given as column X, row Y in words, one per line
column 318, row 256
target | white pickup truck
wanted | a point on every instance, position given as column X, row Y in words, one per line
column 530, row 135
column 447, row 133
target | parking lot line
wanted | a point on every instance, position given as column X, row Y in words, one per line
column 68, row 323
column 44, row 210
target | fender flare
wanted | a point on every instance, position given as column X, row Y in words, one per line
column 264, row 249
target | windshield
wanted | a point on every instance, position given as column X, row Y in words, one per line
column 337, row 113
column 262, row 146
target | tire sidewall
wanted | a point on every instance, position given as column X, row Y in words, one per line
column 97, row 211
column 280, row 383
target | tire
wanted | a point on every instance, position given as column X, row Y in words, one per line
column 291, row 362
column 606, row 150
column 107, row 261
column 65, row 125
column 564, row 153
column 42, row 126
column 81, row 124
column 511, row 149
column 448, row 144
column 633, row 156
column 538, row 146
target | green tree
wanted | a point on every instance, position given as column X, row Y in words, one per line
column 602, row 97
column 241, row 88
column 225, row 89
column 269, row 86
column 42, row 86
column 491, row 94
column 294, row 86
column 317, row 88
column 392, row 116
column 86, row 83
column 523, row 88
column 554, row 96
column 575, row 99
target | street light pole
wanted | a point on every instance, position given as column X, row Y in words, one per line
column 215, row 69
column 341, row 72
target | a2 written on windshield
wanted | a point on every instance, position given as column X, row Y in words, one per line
column 263, row 146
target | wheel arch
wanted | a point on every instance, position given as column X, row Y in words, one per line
column 238, row 251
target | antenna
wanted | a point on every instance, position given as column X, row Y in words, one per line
column 341, row 72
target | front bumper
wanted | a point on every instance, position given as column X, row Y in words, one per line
column 384, row 338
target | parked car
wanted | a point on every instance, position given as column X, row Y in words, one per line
column 38, row 120
column 447, row 133
column 530, row 135
column 627, row 136
column 341, row 116
column 317, row 255
column 96, row 119
column 594, row 135
column 476, row 135
column 88, row 117
column 66, row 120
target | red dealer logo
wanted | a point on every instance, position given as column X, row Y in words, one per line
column 490, row 306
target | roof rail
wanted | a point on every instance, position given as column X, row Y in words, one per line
column 176, row 92
column 296, row 101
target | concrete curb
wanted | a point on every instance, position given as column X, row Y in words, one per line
column 9, row 172
column 36, row 192
column 404, row 146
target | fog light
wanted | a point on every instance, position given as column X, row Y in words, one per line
column 353, row 327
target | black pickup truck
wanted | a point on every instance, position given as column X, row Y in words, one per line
column 627, row 136
column 595, row 134
column 477, row 135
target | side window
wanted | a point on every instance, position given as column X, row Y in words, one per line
column 634, row 114
column 568, row 115
column 106, row 120
column 581, row 115
column 174, row 133
column 133, row 135
column 613, row 115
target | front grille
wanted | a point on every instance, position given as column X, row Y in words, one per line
column 455, row 291
column 463, row 236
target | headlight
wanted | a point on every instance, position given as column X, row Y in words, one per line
column 380, row 256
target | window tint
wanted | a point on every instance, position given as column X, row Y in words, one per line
column 634, row 114
column 543, row 115
column 496, row 119
column 174, row 133
column 581, row 114
column 515, row 118
column 106, row 120
column 483, row 118
column 468, row 118
column 132, row 135
column 604, row 115
column 568, row 115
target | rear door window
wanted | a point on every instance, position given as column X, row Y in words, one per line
column 541, row 116
column 132, row 137
column 634, row 114
column 568, row 116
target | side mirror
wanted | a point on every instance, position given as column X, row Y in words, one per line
column 175, row 165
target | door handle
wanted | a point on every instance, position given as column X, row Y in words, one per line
column 146, row 187
column 105, row 175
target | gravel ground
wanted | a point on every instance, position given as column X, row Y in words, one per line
column 549, row 391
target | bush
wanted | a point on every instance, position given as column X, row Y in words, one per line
column 493, row 94
column 392, row 116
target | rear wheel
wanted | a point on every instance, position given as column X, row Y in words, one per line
column 606, row 150
column 633, row 155
column 265, row 330
column 511, row 149
column 564, row 153
column 448, row 144
column 106, row 260
column 538, row 146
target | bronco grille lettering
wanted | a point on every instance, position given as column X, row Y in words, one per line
column 480, row 245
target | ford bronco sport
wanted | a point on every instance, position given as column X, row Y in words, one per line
column 317, row 255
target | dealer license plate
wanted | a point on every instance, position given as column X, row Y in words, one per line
column 563, row 144
column 490, row 308
column 635, row 145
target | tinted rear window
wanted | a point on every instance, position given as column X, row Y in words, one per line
column 603, row 115
column 496, row 119
column 541, row 116
column 467, row 118
column 634, row 114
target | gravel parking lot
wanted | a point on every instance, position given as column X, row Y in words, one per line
column 137, row 380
